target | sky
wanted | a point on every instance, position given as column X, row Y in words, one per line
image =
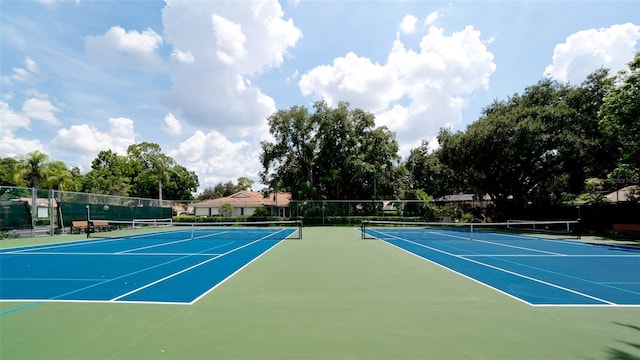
column 200, row 78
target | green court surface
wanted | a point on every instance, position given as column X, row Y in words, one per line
column 330, row 295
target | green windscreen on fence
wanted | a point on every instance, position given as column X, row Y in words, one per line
column 77, row 211
column 15, row 215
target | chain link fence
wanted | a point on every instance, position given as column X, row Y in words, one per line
column 29, row 212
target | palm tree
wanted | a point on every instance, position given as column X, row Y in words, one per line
column 59, row 177
column 32, row 169
column 161, row 166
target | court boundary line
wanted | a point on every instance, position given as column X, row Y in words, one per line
column 187, row 269
column 117, row 254
column 163, row 244
column 34, row 302
column 235, row 272
column 605, row 303
column 499, row 244
column 454, row 271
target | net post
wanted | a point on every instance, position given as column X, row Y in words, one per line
column 299, row 223
column 471, row 234
column 88, row 229
column 363, row 229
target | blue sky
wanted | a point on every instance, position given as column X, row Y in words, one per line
column 201, row 77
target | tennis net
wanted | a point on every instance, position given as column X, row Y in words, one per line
column 283, row 229
column 372, row 229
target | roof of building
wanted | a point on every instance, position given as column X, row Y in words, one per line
column 462, row 198
column 624, row 194
column 248, row 198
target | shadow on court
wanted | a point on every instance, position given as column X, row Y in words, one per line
column 617, row 354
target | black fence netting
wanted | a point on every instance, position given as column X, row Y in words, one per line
column 597, row 218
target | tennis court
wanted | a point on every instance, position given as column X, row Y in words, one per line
column 537, row 270
column 174, row 266
column 330, row 295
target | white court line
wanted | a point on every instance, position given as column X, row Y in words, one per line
column 54, row 300
column 499, row 244
column 237, row 271
column 503, row 270
column 29, row 249
column 163, row 244
column 49, row 279
column 33, row 248
column 125, row 254
column 567, row 256
column 189, row 268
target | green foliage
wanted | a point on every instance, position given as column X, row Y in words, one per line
column 144, row 172
column 426, row 172
column 8, row 168
column 535, row 146
column 261, row 212
column 110, row 174
column 31, row 169
column 620, row 115
column 594, row 185
column 38, row 171
column 226, row 189
column 9, row 235
column 226, row 210
column 332, row 153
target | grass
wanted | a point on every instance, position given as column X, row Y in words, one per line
column 328, row 296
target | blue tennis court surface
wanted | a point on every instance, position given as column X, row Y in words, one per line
column 171, row 267
column 534, row 270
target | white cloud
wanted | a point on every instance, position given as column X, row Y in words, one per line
column 586, row 51
column 88, row 140
column 40, row 108
column 10, row 145
column 183, row 56
column 229, row 42
column 31, row 65
column 369, row 85
column 11, row 120
column 292, row 76
column 27, row 74
column 416, row 92
column 432, row 17
column 217, row 159
column 118, row 47
column 171, row 125
column 408, row 24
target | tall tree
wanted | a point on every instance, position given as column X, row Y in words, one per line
column 426, row 172
column 533, row 146
column 181, row 184
column 620, row 117
column 110, row 174
column 226, row 189
column 32, row 169
column 332, row 153
column 59, row 177
column 290, row 159
column 151, row 166
column 8, row 168
column 152, row 171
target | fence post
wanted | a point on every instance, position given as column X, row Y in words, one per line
column 51, row 218
column 34, row 210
